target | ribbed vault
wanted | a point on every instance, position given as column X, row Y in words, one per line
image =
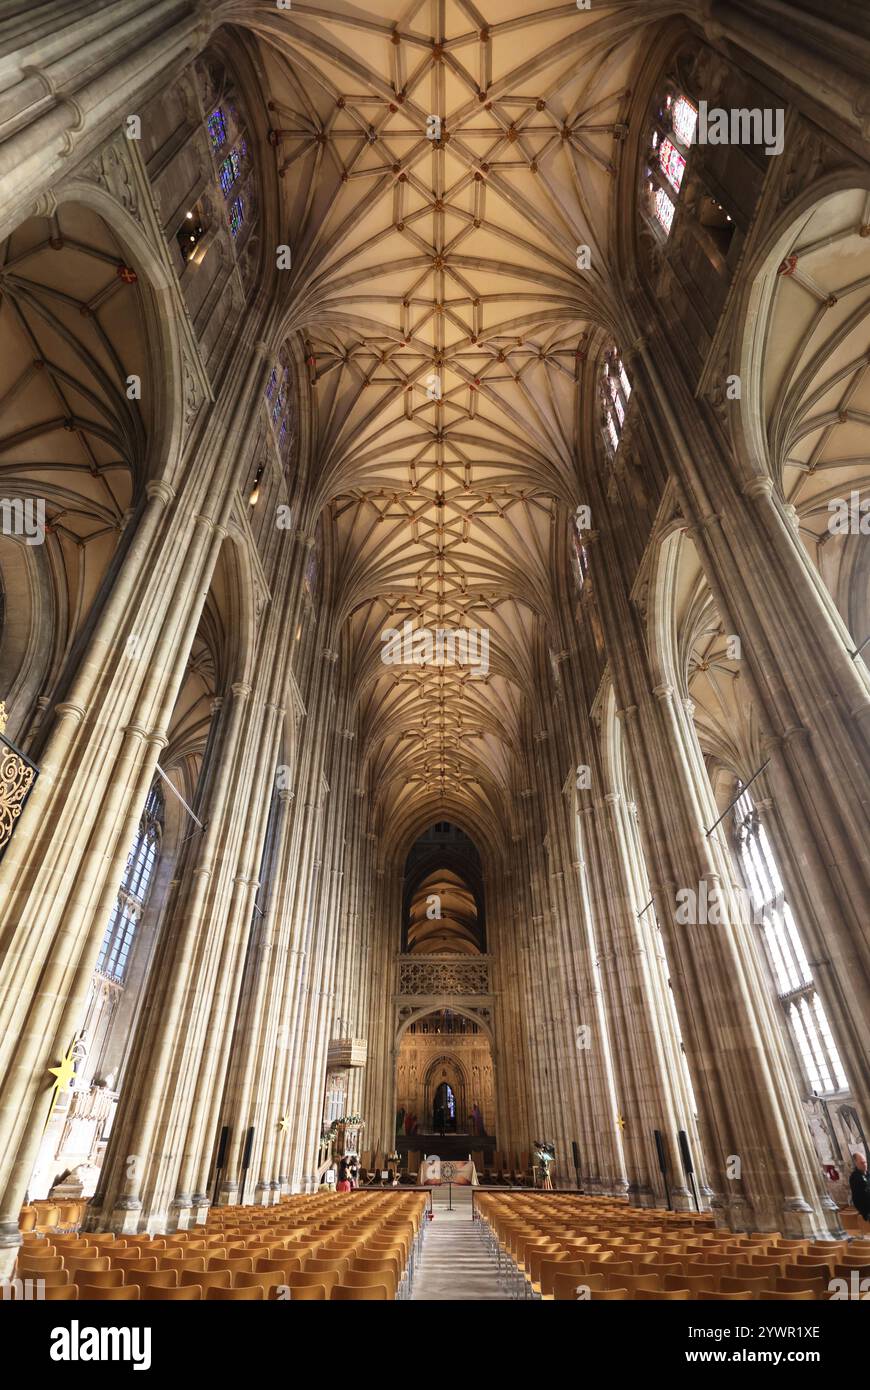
column 442, row 162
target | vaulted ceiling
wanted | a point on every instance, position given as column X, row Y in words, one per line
column 441, row 163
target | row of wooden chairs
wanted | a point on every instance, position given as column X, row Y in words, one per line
column 45, row 1217
column 580, row 1247
column 328, row 1248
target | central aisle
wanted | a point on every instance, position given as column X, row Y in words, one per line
column 456, row 1264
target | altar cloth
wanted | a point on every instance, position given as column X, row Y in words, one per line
column 434, row 1172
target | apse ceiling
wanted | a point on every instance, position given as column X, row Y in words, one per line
column 441, row 164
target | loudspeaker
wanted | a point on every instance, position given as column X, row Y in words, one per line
column 222, row 1147
column 685, row 1153
column 660, row 1149
column 249, row 1144
column 576, row 1153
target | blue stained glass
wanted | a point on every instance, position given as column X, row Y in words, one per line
column 217, row 128
column 237, row 217
column 270, row 389
column 282, row 434
column 229, row 171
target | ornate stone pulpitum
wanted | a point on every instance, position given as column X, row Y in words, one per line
column 443, row 975
column 17, row 776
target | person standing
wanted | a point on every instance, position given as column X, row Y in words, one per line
column 859, row 1185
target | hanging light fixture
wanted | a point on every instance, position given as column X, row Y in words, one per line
column 255, row 490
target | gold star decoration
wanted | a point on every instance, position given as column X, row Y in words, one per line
column 284, row 1123
column 620, row 1122
column 63, row 1073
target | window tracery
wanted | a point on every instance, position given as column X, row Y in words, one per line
column 615, row 393
column 790, row 968
column 672, row 136
column 135, row 888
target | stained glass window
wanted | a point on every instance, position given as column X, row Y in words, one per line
column 237, row 216
column 673, row 164
column 580, row 555
column 786, row 956
column 615, row 391
column 133, row 892
column 684, row 119
column 229, row 171
column 273, row 381
column 280, row 401
column 217, row 128
column 664, row 209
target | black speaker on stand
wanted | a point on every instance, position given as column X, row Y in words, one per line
column 219, row 1162
column 689, row 1167
column 576, row 1153
column 246, row 1163
column 663, row 1164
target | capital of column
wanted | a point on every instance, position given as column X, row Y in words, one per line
column 758, row 487
column 241, row 690
column 158, row 489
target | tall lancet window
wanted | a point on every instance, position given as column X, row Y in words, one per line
column 615, row 391
column 789, row 966
column 671, row 138
column 135, row 887
column 579, row 552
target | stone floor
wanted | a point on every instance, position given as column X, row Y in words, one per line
column 456, row 1264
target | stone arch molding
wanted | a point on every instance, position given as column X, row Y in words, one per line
column 446, row 1001
column 84, row 313
column 805, row 368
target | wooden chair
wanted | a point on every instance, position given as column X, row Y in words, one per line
column 153, row 1279
column 181, row 1262
column 610, row 1295
column 665, row 1295
column 237, row 1265
column 800, row 1296
column 308, row 1292
column 184, row 1293
column 86, row 1264
column 698, row 1284
column 144, row 1264
column 634, row 1282
column 738, row 1283
column 60, row 1293
column 729, row 1296
column 108, row 1293
column 206, row 1279
column 34, row 1264
column 50, row 1277
column 104, row 1278
column 335, row 1266
column 327, row 1279
column 351, row 1293
column 819, row 1287
column 268, row 1282
column 239, row 1294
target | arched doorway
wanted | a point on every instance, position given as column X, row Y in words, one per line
column 444, row 1109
